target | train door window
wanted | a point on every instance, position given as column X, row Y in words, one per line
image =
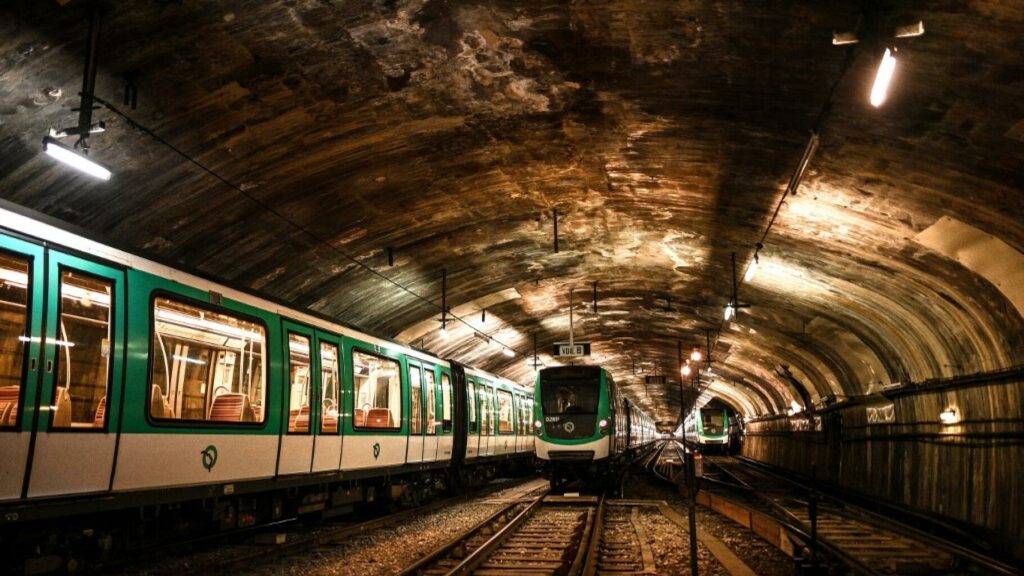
column 206, row 365
column 471, row 398
column 416, row 418
column 14, row 336
column 505, row 415
column 83, row 351
column 378, row 391
column 299, row 382
column 430, row 385
column 330, row 381
column 446, row 402
column 487, row 428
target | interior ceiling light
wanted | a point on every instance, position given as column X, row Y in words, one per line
column 77, row 157
column 883, row 77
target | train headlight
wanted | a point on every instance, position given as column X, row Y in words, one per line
column 603, row 423
column 538, row 426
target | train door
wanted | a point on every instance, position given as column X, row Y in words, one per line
column 76, row 426
column 473, row 421
column 327, row 444
column 301, row 373
column 414, row 449
column 486, row 420
column 21, row 329
column 445, row 439
column 431, row 395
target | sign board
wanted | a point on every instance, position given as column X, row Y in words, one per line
column 655, row 379
column 577, row 349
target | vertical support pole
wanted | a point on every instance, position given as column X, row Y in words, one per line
column 813, row 513
column 691, row 473
column 444, row 298
column 554, row 214
column 89, row 78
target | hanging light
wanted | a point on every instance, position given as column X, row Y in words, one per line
column 65, row 154
column 444, row 330
column 686, row 370
column 696, row 355
column 752, row 269
column 949, row 416
column 882, row 78
column 508, row 352
column 730, row 310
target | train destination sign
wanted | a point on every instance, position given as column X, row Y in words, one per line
column 576, row 349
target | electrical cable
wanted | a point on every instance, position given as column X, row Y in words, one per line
column 270, row 209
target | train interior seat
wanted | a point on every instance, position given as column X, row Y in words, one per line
column 360, row 417
column 9, row 404
column 298, row 419
column 100, row 418
column 379, row 418
column 228, row 407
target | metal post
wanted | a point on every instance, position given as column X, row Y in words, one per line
column 813, row 505
column 444, row 297
column 89, row 79
column 554, row 213
column 691, row 464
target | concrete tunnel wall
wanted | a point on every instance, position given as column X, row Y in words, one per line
column 894, row 447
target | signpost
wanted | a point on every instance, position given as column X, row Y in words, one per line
column 566, row 349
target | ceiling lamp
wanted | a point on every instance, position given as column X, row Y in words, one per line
column 883, row 77
column 686, row 370
column 67, row 155
column 508, row 352
column 754, row 264
column 77, row 157
column 949, row 416
column 696, row 355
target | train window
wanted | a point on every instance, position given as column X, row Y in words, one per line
column 486, row 427
column 330, row 381
column 83, row 351
column 299, row 382
column 416, row 418
column 206, row 365
column 505, row 412
column 430, row 385
column 14, row 336
column 446, row 402
column 471, row 398
column 378, row 391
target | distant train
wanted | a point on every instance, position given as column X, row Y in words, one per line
column 138, row 401
column 585, row 426
column 714, row 429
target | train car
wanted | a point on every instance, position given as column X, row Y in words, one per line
column 138, row 401
column 585, row 428
column 711, row 428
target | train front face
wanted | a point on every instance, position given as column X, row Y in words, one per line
column 713, row 429
column 572, row 420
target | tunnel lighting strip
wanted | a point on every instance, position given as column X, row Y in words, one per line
column 281, row 216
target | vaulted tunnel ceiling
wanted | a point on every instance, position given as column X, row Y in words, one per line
column 664, row 133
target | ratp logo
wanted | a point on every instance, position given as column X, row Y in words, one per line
column 569, row 427
column 376, row 450
column 209, row 457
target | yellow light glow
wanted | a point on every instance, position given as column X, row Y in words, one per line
column 880, row 89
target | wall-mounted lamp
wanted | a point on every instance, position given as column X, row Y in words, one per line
column 949, row 416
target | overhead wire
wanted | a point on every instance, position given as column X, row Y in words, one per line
column 283, row 217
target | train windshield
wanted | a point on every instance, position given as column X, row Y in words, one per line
column 713, row 420
column 571, row 392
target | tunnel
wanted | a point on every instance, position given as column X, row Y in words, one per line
column 486, row 181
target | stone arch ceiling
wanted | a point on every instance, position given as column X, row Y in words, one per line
column 663, row 132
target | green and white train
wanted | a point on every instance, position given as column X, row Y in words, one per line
column 585, row 426
column 135, row 397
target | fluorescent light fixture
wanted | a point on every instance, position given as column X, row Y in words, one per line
column 443, row 332
column 14, row 277
column 63, row 343
column 188, row 360
column 882, row 78
column 752, row 269
column 949, row 416
column 65, row 154
column 730, row 310
column 508, row 352
column 794, row 408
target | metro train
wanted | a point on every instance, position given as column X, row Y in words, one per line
column 138, row 402
column 713, row 429
column 585, row 427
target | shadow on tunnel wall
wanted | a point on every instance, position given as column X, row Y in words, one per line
column 965, row 476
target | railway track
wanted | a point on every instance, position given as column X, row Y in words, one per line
column 233, row 558
column 864, row 541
